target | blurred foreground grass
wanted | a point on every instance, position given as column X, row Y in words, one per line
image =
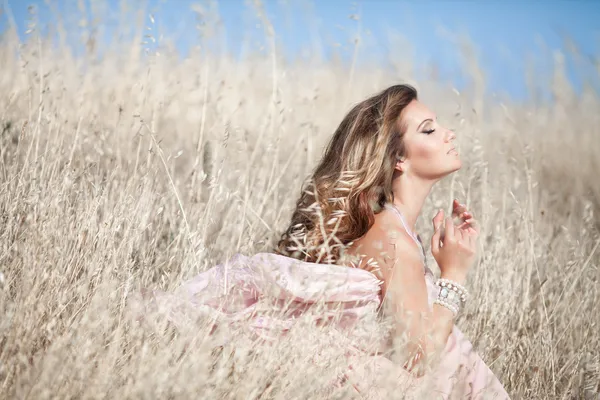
column 138, row 170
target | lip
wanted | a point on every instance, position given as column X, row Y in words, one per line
column 452, row 149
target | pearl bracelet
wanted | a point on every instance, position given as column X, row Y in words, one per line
column 455, row 287
column 449, row 306
column 451, row 295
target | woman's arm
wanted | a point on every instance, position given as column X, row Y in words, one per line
column 395, row 258
column 420, row 332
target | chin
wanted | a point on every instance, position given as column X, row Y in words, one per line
column 455, row 167
column 458, row 165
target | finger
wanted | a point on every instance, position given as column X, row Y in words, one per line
column 438, row 219
column 410, row 364
column 464, row 226
column 473, row 224
column 436, row 237
column 473, row 242
column 464, row 217
column 449, row 229
column 460, row 235
column 420, row 372
column 457, row 208
column 469, row 223
column 441, row 227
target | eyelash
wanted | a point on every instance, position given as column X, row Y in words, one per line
column 429, row 131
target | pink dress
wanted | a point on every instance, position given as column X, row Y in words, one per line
column 298, row 286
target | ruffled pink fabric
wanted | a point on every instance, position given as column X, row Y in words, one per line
column 343, row 296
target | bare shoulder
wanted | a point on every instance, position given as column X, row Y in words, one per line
column 385, row 245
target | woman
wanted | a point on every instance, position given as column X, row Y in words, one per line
column 359, row 210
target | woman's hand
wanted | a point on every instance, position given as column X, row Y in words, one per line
column 466, row 220
column 454, row 247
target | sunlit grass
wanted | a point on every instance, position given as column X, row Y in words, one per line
column 143, row 170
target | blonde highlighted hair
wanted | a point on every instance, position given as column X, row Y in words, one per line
column 353, row 180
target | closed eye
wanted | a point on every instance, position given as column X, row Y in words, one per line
column 429, row 131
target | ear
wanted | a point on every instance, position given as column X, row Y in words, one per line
column 400, row 164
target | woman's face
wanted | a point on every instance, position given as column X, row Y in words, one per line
column 429, row 147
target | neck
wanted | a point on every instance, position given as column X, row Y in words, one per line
column 409, row 196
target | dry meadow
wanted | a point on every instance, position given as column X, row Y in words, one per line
column 127, row 167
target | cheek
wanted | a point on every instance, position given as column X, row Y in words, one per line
column 426, row 150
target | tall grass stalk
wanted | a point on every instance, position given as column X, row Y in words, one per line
column 121, row 170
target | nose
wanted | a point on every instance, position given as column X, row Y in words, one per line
column 450, row 135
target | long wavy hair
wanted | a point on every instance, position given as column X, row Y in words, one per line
column 352, row 182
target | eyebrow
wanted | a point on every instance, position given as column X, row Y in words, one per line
column 422, row 122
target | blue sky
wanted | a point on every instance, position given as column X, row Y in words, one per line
column 503, row 32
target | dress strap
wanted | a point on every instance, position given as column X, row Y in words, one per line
column 405, row 225
column 410, row 233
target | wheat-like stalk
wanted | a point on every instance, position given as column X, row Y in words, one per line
column 122, row 169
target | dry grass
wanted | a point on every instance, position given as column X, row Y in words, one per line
column 140, row 171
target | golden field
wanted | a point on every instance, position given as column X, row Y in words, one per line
column 131, row 168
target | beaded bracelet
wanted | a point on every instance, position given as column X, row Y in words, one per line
column 457, row 288
column 449, row 306
column 451, row 295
